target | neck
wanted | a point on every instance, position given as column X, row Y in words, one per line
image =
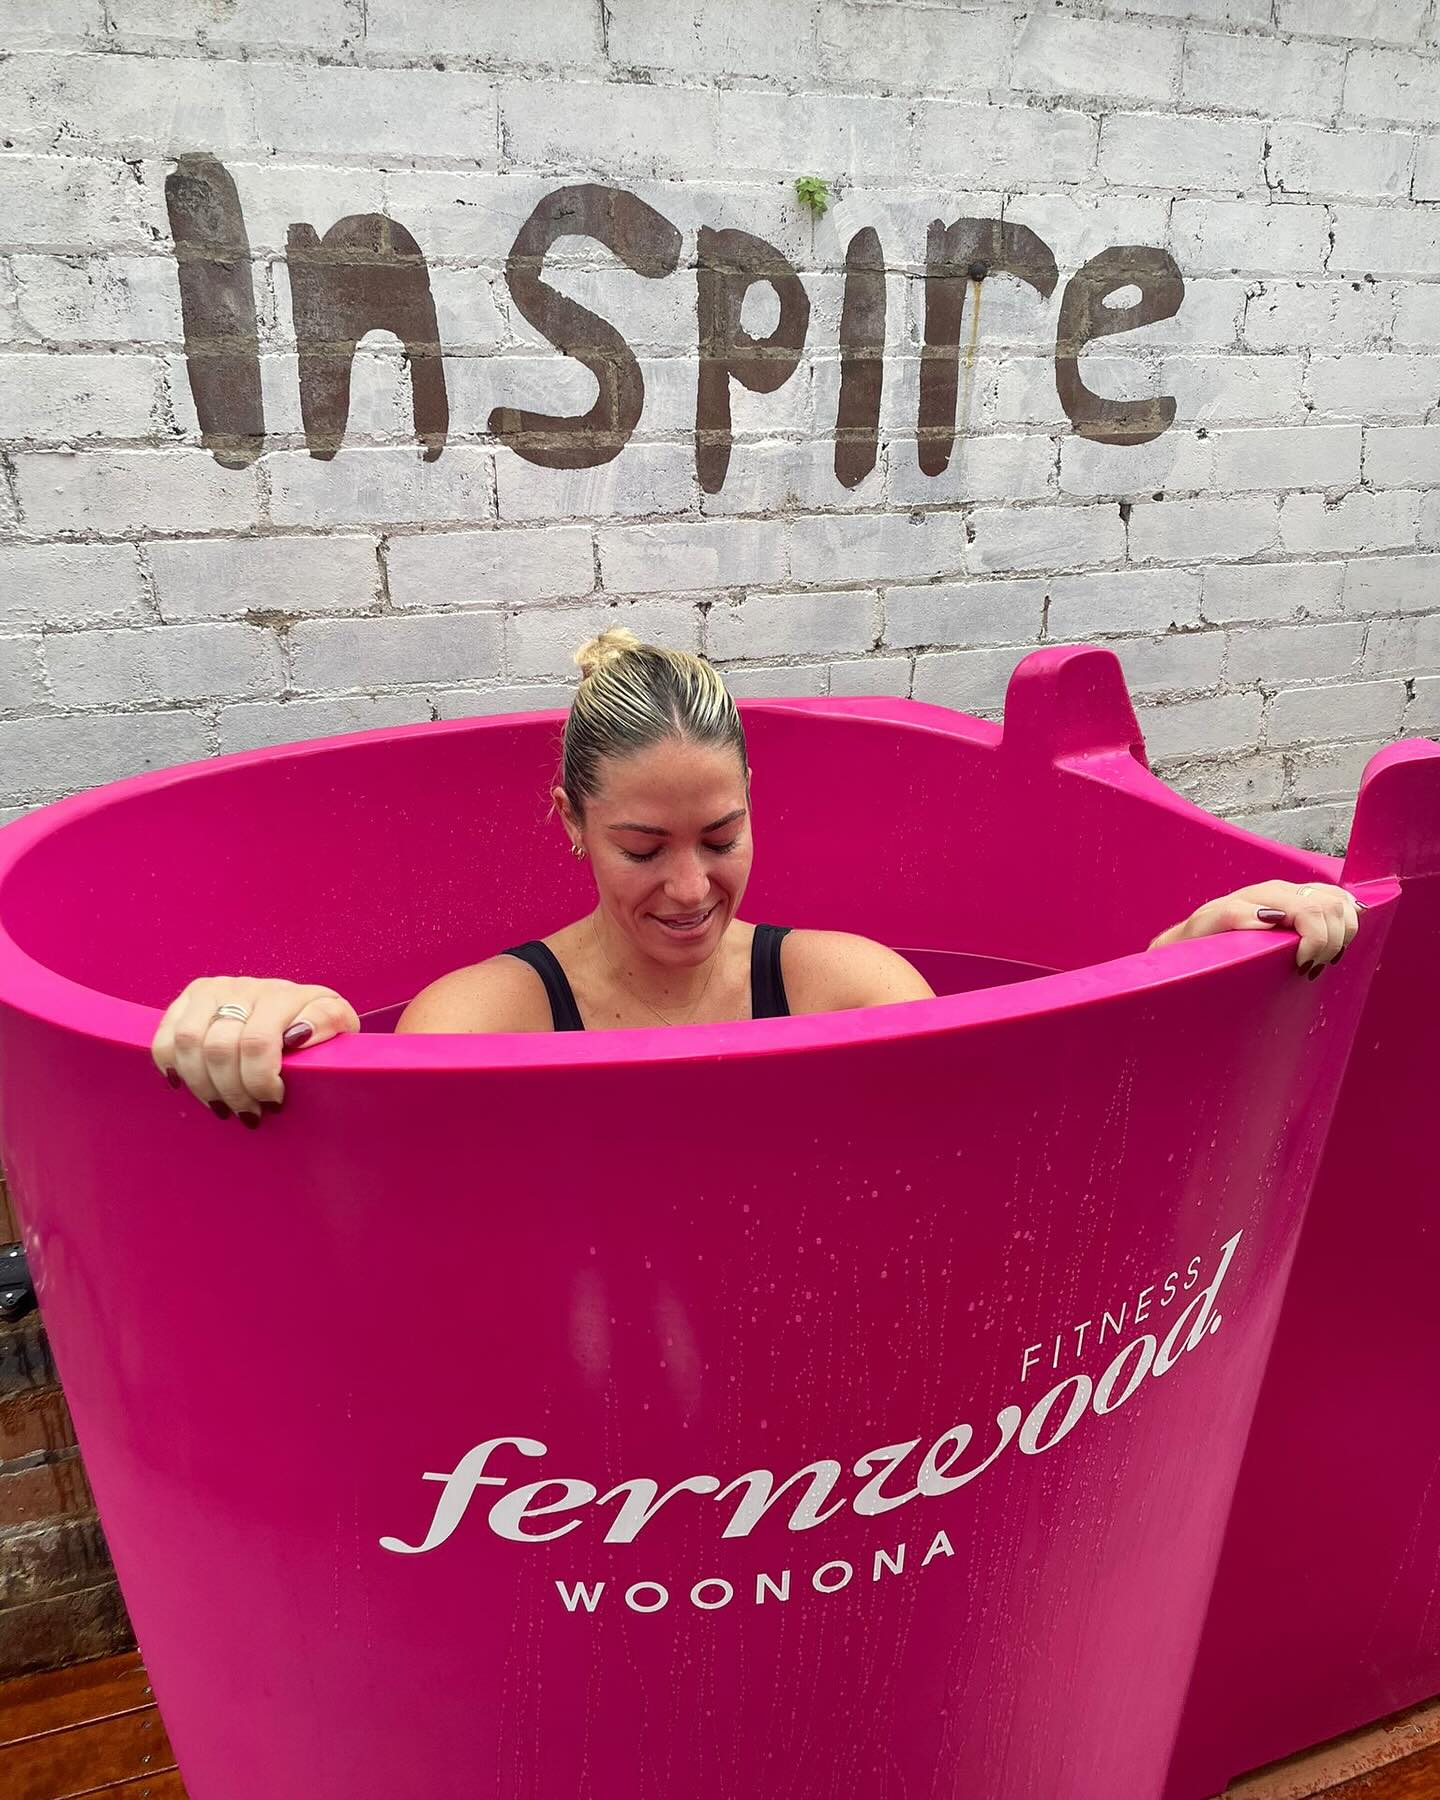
column 658, row 984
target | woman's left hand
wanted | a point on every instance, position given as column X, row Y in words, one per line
column 1325, row 917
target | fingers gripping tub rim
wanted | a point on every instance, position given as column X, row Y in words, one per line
column 1035, row 1431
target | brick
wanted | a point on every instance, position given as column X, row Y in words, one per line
column 1236, row 785
column 878, row 547
column 35, row 1421
column 1371, row 240
column 1423, row 712
column 1213, row 12
column 787, row 476
column 542, row 641
column 1058, row 53
column 327, row 654
column 57, row 399
column 52, row 1558
column 1402, row 455
column 70, row 203
column 1198, row 727
column 44, row 1491
column 1080, row 225
column 768, row 625
column 1249, row 236
column 114, row 491
column 217, row 578
column 1362, row 385
column 42, row 757
column 748, row 37
column 364, row 486
column 476, row 703
column 1402, row 646
column 1427, row 169
column 792, row 681
column 648, row 559
column 997, row 145
column 63, row 1629
column 69, row 584
column 1390, row 584
column 1294, row 653
column 1046, row 537
column 254, row 724
column 1297, row 456
column 1121, row 601
column 275, row 194
column 643, row 479
column 490, row 568
column 128, row 104
column 1271, row 592
column 1417, row 316
column 403, row 114
column 22, row 681
column 1177, row 460
column 1393, row 84
column 1202, row 530
column 970, row 612
column 1396, row 21
column 872, row 675
column 1370, row 165
column 1366, row 709
column 1165, row 151
column 98, row 299
column 972, row 681
column 1322, row 829
column 1328, row 315
column 24, row 25
column 1262, row 75
column 910, row 50
column 1181, row 662
column 983, row 466
column 328, row 25
column 1357, row 522
column 26, row 1361
column 165, row 663
column 615, row 129
column 1332, row 774
column 1234, row 388
column 814, row 131
column 564, row 33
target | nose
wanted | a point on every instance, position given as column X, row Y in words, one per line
column 687, row 885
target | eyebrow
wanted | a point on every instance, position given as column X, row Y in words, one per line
column 660, row 831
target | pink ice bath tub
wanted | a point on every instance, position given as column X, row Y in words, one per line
column 807, row 1408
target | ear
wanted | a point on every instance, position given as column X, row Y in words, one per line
column 561, row 802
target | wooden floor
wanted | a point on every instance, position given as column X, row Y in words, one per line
column 94, row 1730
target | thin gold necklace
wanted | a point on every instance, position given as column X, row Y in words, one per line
column 620, row 982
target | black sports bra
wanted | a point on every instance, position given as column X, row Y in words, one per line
column 767, row 984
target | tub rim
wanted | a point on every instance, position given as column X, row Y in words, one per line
column 35, row 989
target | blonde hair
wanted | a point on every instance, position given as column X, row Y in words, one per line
column 632, row 695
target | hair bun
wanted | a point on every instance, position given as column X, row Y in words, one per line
column 603, row 651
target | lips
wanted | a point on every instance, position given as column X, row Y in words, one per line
column 682, row 922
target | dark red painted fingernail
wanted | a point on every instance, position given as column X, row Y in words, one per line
column 1272, row 915
column 220, row 1109
column 297, row 1035
column 270, row 1106
column 1316, row 969
column 251, row 1121
column 173, row 1078
column 1338, row 954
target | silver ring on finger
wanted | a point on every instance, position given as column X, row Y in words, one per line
column 231, row 1010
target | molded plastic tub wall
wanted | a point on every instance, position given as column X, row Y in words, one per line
column 894, row 1258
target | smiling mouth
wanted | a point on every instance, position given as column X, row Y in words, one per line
column 685, row 922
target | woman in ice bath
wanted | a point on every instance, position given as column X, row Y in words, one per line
column 654, row 792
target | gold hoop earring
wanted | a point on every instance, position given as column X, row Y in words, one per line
column 578, row 852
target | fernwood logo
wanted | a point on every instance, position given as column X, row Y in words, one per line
column 890, row 1479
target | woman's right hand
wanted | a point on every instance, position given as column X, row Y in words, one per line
column 234, row 1066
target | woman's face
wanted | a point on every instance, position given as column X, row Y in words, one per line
column 668, row 836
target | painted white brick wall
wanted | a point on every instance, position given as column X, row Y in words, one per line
column 1266, row 570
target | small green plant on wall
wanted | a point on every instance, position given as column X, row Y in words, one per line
column 813, row 193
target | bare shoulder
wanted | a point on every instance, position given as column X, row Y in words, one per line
column 500, row 994
column 833, row 971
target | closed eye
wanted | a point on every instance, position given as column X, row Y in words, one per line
column 645, row 856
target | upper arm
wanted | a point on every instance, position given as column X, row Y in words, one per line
column 503, row 994
column 834, row 971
